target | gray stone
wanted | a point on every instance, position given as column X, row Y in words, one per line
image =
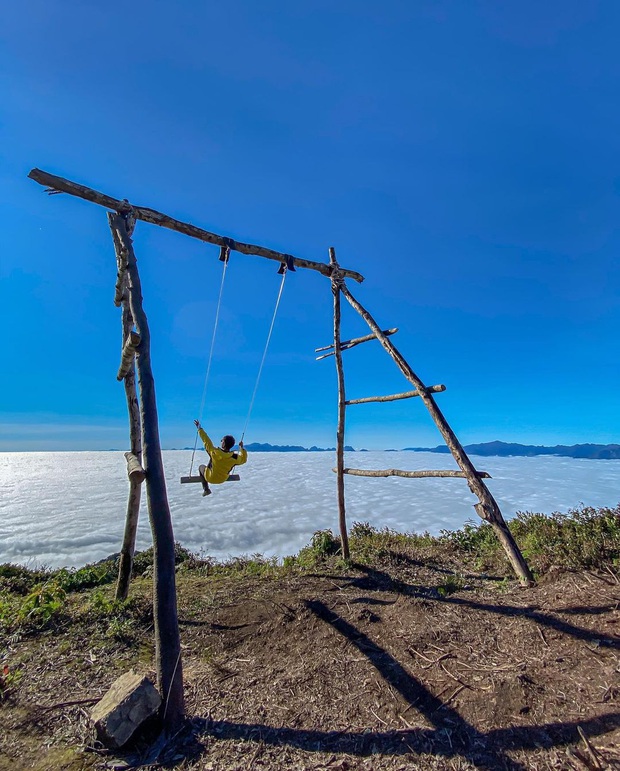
column 131, row 700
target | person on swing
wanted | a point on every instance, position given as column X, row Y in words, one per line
column 221, row 459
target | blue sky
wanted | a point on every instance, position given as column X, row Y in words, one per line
column 463, row 156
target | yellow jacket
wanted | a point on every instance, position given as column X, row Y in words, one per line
column 222, row 462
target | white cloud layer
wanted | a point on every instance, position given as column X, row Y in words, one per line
column 68, row 508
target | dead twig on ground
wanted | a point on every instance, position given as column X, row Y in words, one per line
column 73, row 703
column 593, row 753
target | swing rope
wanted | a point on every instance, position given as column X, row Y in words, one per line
column 260, row 369
column 204, row 388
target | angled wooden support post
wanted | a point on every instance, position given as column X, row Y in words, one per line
column 487, row 507
column 342, row 517
column 167, row 640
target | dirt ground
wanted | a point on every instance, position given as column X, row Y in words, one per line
column 364, row 669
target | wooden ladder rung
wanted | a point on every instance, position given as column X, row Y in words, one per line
column 345, row 344
column 198, row 478
column 393, row 397
column 393, row 472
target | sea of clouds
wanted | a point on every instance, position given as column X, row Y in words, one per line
column 68, row 508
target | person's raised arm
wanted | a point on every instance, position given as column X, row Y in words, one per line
column 204, row 436
column 242, row 455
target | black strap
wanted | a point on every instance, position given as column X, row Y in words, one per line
column 225, row 250
column 288, row 264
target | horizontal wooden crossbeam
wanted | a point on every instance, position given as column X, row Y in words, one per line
column 393, row 472
column 351, row 343
column 61, row 185
column 394, row 397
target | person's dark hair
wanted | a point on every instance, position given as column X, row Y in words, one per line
column 228, row 442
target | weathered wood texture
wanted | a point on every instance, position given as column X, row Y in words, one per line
column 351, row 343
column 394, row 397
column 356, row 341
column 121, row 273
column 342, row 516
column 394, row 472
column 125, row 565
column 167, row 640
column 132, row 341
column 163, row 220
column 487, row 507
column 135, row 471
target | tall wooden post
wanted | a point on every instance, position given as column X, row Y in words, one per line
column 135, row 440
column 487, row 507
column 167, row 640
column 342, row 517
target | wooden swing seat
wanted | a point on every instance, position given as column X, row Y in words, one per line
column 198, row 478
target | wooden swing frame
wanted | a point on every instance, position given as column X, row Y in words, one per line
column 144, row 426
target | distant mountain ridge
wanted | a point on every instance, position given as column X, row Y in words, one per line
column 266, row 447
column 504, row 449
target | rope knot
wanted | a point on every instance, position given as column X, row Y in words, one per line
column 337, row 277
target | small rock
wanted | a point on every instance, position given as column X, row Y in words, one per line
column 131, row 700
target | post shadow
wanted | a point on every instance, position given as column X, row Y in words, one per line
column 451, row 735
column 378, row 580
column 411, row 740
column 463, row 738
